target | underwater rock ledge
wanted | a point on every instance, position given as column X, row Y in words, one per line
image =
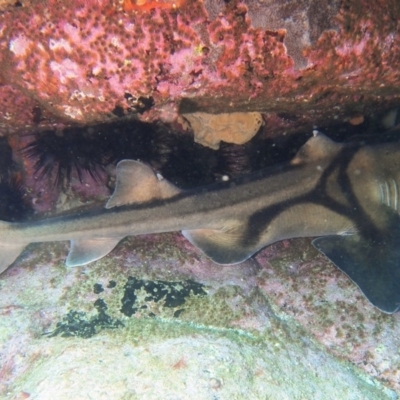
column 91, row 61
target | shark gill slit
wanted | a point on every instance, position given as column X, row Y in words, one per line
column 393, row 193
column 389, row 192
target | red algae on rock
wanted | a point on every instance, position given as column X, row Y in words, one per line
column 82, row 60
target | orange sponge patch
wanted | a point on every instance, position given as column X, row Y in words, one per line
column 146, row 5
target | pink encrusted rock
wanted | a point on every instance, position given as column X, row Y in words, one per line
column 82, row 60
column 19, row 111
column 305, row 287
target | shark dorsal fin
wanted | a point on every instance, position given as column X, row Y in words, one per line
column 318, row 147
column 137, row 183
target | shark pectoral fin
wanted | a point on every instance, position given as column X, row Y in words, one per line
column 85, row 251
column 137, row 183
column 8, row 254
column 222, row 246
column 373, row 265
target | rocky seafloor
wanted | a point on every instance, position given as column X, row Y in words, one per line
column 156, row 319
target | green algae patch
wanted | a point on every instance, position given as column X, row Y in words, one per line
column 185, row 301
column 214, row 310
column 79, row 324
column 151, row 297
column 141, row 331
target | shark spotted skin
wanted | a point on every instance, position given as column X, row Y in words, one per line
column 345, row 195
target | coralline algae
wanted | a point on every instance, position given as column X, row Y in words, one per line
column 87, row 61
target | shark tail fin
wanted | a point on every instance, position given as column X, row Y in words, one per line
column 8, row 251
